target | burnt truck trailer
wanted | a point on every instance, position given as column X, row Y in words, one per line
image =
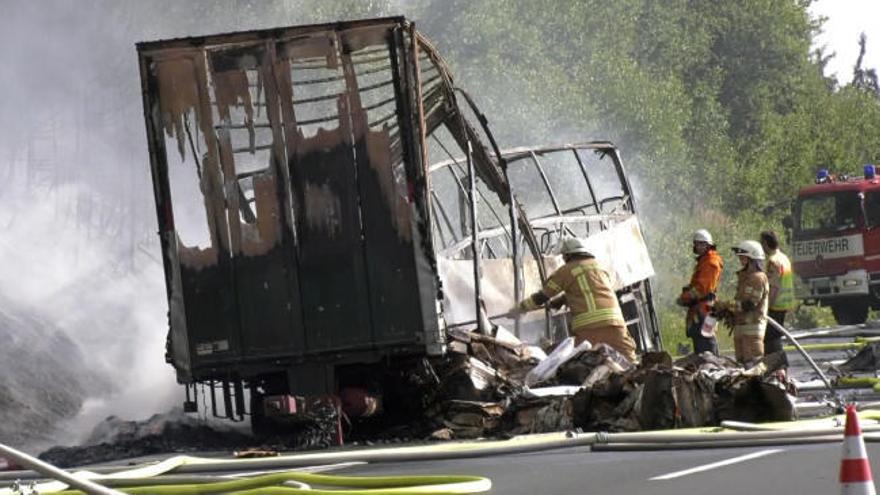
column 309, row 246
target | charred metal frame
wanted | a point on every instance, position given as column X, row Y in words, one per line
column 308, row 258
column 392, row 50
column 323, row 255
column 561, row 219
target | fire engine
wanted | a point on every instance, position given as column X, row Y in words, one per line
column 836, row 244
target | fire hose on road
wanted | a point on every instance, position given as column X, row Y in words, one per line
column 146, row 481
column 184, row 478
column 154, row 478
column 835, row 396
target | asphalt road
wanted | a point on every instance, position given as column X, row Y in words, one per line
column 801, row 470
column 796, row 470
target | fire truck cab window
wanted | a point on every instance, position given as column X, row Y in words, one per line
column 872, row 209
column 829, row 212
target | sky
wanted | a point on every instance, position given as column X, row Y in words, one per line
column 847, row 19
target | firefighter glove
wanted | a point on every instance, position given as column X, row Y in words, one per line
column 526, row 305
column 557, row 302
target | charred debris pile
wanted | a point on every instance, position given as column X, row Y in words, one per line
column 496, row 386
column 115, row 438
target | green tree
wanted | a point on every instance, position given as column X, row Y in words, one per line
column 720, row 108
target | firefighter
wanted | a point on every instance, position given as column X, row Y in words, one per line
column 748, row 310
column 700, row 293
column 781, row 280
column 587, row 290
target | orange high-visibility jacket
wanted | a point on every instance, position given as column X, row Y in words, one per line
column 704, row 281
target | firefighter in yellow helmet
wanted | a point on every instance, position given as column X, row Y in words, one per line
column 587, row 290
column 781, row 279
column 749, row 307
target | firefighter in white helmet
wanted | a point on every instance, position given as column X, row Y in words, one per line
column 699, row 295
column 748, row 310
column 703, row 235
column 588, row 292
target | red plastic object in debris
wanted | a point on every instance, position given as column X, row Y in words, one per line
column 282, row 405
column 358, row 403
column 9, row 465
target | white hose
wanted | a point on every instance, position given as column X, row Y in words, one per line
column 743, row 426
column 712, row 438
column 53, row 472
column 806, row 356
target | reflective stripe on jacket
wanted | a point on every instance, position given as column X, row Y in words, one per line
column 588, row 293
column 780, row 275
column 754, row 288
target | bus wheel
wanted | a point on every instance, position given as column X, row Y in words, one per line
column 850, row 312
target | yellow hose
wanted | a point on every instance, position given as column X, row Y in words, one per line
column 831, row 346
column 362, row 485
column 869, row 418
column 857, row 382
column 838, row 346
column 430, row 484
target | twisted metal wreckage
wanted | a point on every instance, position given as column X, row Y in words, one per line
column 307, row 239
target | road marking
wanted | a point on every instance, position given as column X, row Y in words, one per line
column 726, row 462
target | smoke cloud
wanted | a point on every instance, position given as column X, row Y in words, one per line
column 79, row 237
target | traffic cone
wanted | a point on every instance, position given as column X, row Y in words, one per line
column 855, row 470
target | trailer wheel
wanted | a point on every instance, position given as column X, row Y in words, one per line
column 850, row 312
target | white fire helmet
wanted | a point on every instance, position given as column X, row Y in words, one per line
column 703, row 235
column 750, row 249
column 573, row 245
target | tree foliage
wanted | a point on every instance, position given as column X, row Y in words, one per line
column 720, row 108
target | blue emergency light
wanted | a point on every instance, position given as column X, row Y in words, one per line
column 870, row 173
column 822, row 176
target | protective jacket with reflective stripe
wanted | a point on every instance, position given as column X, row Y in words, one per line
column 752, row 292
column 588, row 293
column 780, row 276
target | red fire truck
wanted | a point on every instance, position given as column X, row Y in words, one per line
column 836, row 244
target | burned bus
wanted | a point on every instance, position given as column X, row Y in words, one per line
column 330, row 204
